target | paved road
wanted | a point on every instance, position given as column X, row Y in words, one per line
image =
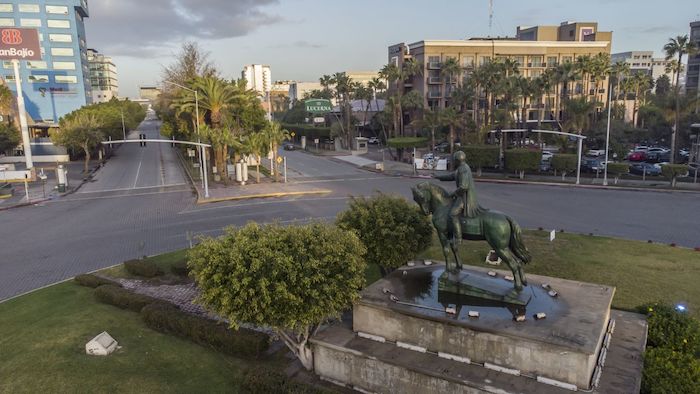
column 151, row 213
column 305, row 165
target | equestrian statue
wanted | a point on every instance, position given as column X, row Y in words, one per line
column 458, row 216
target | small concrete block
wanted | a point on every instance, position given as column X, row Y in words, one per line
column 509, row 278
column 394, row 298
column 553, row 293
column 492, row 258
column 408, row 346
column 386, row 291
column 411, row 264
column 372, row 337
column 557, row 383
column 520, row 318
column 452, row 357
column 540, row 316
column 101, row 345
column 498, row 368
column 451, row 309
column 427, row 262
column 545, row 285
column 474, row 314
column 492, row 273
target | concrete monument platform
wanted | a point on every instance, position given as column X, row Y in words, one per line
column 407, row 308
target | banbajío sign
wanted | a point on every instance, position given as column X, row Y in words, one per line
column 19, row 44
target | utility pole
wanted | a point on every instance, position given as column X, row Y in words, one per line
column 23, row 118
column 123, row 126
column 607, row 136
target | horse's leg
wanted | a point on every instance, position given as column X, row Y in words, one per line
column 506, row 255
column 454, row 245
column 498, row 236
column 445, row 250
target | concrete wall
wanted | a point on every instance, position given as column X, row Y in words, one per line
column 528, row 356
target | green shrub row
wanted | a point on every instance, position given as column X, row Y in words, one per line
column 522, row 160
column 565, row 163
column 309, row 131
column 266, row 381
column 671, row 361
column 169, row 319
column 123, row 298
column 407, row 142
column 481, row 156
column 90, row 280
column 145, row 268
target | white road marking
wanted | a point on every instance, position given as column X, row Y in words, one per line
column 138, row 170
column 129, row 188
column 119, row 196
column 263, row 203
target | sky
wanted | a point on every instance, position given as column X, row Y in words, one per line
column 304, row 39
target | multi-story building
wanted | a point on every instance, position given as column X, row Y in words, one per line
column 150, row 93
column 259, row 78
column 692, row 79
column 639, row 61
column 297, row 90
column 363, row 77
column 103, row 77
column 534, row 49
column 59, row 83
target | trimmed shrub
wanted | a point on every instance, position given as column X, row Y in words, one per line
column 564, row 163
column 668, row 371
column 479, row 156
column 180, row 268
column 673, row 171
column 671, row 329
column 265, row 381
column 169, row 319
column 308, row 131
column 90, row 280
column 145, row 268
column 521, row 160
column 617, row 170
column 123, row 298
column 407, row 142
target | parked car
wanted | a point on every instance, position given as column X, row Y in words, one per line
column 640, row 148
column 592, row 164
column 658, row 156
column 637, row 156
column 443, row 146
column 547, row 156
column 373, row 140
column 645, row 169
column 595, row 152
column 288, row 146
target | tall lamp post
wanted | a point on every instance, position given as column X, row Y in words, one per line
column 607, row 134
column 202, row 158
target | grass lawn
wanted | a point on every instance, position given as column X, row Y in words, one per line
column 641, row 272
column 42, row 348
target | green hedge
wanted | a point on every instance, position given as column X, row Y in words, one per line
column 309, row 131
column 94, row 281
column 671, row 329
column 145, row 268
column 169, row 319
column 673, row 171
column 480, row 156
column 407, row 142
column 617, row 170
column 123, row 298
column 266, row 381
column 180, row 268
column 564, row 163
column 667, row 371
column 521, row 160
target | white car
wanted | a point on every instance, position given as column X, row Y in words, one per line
column 373, row 140
column 546, row 156
column 595, row 152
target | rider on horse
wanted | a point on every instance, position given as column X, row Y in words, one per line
column 464, row 201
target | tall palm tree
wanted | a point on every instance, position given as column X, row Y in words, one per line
column 432, row 120
column 577, row 110
column 273, row 135
column 620, row 70
column 566, row 74
column 453, row 120
column 678, row 46
column 377, row 85
column 450, row 70
column 462, row 97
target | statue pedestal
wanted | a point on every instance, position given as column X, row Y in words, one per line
column 405, row 313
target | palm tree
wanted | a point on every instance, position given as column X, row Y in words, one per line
column 620, row 70
column 412, row 102
column 577, row 110
column 450, row 70
column 432, row 120
column 680, row 46
column 273, row 135
column 462, row 97
column 376, row 84
column 259, row 146
column 453, row 120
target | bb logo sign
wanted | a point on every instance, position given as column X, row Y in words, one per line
column 19, row 44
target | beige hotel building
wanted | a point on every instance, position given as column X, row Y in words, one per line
column 534, row 48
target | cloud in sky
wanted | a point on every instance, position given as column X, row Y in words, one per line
column 149, row 28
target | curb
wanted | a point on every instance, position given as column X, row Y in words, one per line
column 262, row 195
column 600, row 187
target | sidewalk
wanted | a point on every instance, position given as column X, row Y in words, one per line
column 235, row 191
column 40, row 191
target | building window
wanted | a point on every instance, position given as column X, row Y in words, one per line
column 536, row 61
column 10, row 77
column 30, row 22
column 64, row 65
column 62, row 52
column 60, row 38
column 66, row 79
column 7, row 64
column 467, row 61
column 4, row 7
column 33, row 64
column 551, row 61
column 29, row 8
column 58, row 23
column 7, row 22
column 38, row 79
column 484, row 59
column 57, row 9
column 519, row 60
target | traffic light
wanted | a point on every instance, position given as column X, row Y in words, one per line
column 143, row 138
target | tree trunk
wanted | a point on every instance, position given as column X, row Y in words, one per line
column 300, row 347
column 257, row 170
column 87, row 158
column 432, row 136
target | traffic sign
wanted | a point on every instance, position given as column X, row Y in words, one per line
column 293, row 134
column 19, row 44
column 279, row 159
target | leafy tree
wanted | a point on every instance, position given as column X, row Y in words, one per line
column 678, row 46
column 663, row 85
column 432, row 120
column 564, row 163
column 479, row 156
column 291, row 279
column 9, row 137
column 673, row 171
column 617, row 170
column 521, row 160
column 79, row 132
column 393, row 230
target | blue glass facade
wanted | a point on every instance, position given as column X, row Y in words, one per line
column 60, row 82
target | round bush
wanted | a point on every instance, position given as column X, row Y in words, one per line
column 669, row 372
column 672, row 330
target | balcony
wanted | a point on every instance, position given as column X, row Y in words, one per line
column 434, row 95
column 434, row 65
column 434, row 80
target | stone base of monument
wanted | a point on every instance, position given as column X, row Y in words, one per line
column 408, row 335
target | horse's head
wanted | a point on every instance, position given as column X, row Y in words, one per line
column 421, row 195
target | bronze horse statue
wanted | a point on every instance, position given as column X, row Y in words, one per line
column 498, row 229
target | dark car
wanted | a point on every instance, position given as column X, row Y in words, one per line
column 442, row 147
column 645, row 169
column 288, row 146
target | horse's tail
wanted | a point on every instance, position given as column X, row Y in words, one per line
column 516, row 242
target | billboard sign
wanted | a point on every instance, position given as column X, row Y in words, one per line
column 19, row 44
column 318, row 106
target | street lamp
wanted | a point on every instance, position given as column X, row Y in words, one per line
column 202, row 158
column 607, row 134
